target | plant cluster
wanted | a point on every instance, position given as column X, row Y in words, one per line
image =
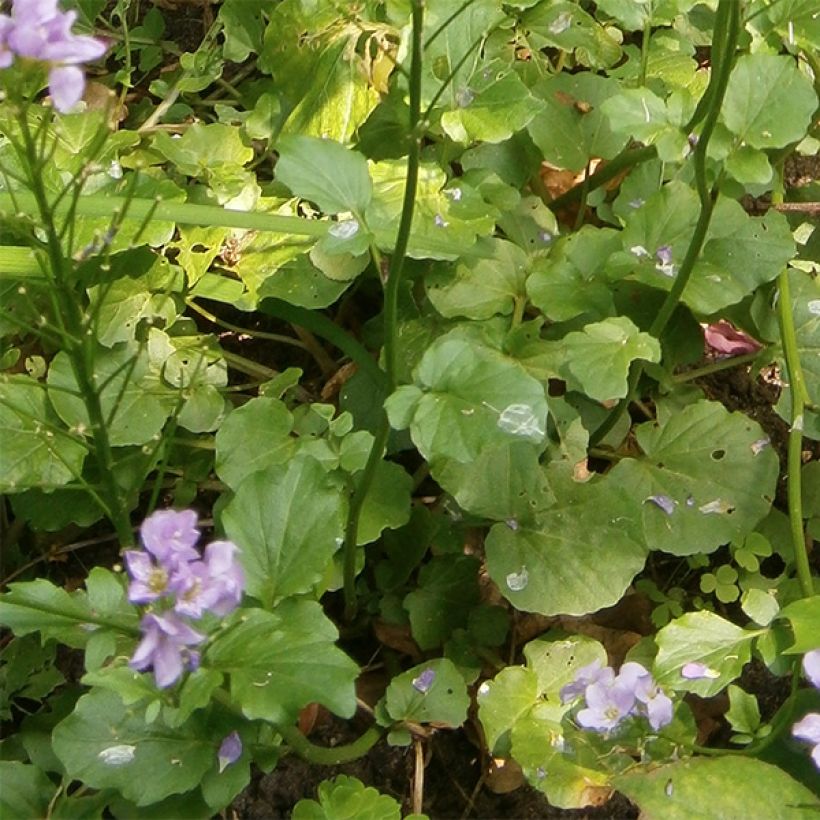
column 425, row 309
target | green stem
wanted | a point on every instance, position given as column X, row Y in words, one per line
column 324, row 755
column 391, row 299
column 727, row 29
column 183, row 213
column 797, row 389
column 647, row 33
column 79, row 345
column 716, row 367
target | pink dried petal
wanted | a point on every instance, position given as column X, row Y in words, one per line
column 724, row 338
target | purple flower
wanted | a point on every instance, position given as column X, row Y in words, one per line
column 654, row 703
column 607, row 705
column 808, row 729
column 164, row 647
column 149, row 581
column 587, row 675
column 214, row 584
column 170, row 536
column 424, row 681
column 38, row 30
column 698, row 671
column 664, row 264
column 230, row 751
column 6, row 54
column 811, row 667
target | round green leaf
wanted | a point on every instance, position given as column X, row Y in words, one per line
column 432, row 692
column 472, row 397
column 325, row 172
column 705, row 478
column 108, row 746
column 578, row 557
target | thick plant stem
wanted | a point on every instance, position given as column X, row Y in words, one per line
column 797, row 389
column 727, row 29
column 325, row 755
column 391, row 301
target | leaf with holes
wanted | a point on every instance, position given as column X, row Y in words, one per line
column 703, row 479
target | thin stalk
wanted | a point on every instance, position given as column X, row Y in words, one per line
column 727, row 29
column 715, row 367
column 645, row 40
column 391, row 299
column 797, row 388
column 79, row 348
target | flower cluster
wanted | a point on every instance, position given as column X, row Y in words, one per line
column 178, row 583
column 610, row 698
column 38, row 30
column 808, row 729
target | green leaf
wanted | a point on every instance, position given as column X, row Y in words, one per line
column 749, row 165
column 769, row 103
column 572, row 281
column 568, row 27
column 702, row 481
column 804, row 617
column 209, row 151
column 387, row 505
column 446, row 221
column 479, row 288
column 452, row 53
column 761, row 606
column 469, row 396
column 243, row 27
column 574, row 128
column 36, row 451
column 432, row 692
column 253, row 437
column 505, row 481
column 502, row 701
column 703, row 638
column 129, row 395
column 26, row 792
column 597, row 359
column 325, row 172
column 538, row 747
column 280, row 661
column 718, row 787
column 491, row 107
column 447, row 591
column 39, row 605
column 288, row 520
column 347, row 798
column 743, row 713
column 579, row 556
column 108, row 746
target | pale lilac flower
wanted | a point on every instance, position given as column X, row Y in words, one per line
column 811, row 667
column 230, row 751
column 587, row 675
column 38, row 30
column 170, row 536
column 607, row 705
column 6, row 54
column 214, row 584
column 424, row 681
column 149, row 581
column 656, row 705
column 164, row 647
column 808, row 729
column 664, row 264
column 698, row 671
